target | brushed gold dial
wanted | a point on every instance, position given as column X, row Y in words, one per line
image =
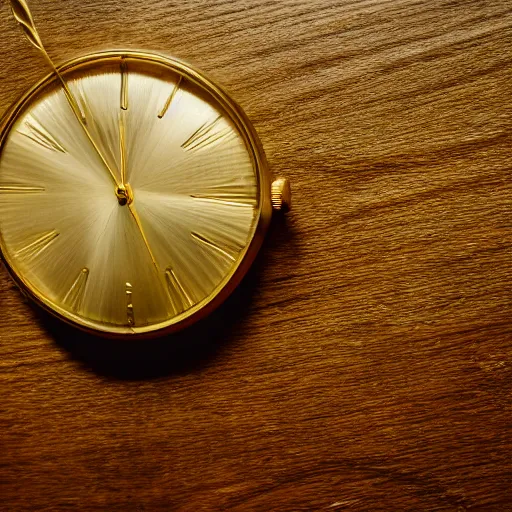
column 142, row 212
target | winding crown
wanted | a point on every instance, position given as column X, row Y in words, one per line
column 281, row 195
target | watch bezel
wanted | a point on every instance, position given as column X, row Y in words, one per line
column 253, row 144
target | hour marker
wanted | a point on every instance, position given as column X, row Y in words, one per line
column 19, row 189
column 227, row 200
column 37, row 133
column 75, row 294
column 129, row 304
column 124, row 85
column 39, row 245
column 207, row 135
column 81, row 104
column 170, row 98
column 229, row 193
column 179, row 298
column 226, row 251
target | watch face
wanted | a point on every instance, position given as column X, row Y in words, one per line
column 140, row 216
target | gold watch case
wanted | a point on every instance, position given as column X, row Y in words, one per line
column 71, row 291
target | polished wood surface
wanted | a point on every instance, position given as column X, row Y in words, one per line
column 365, row 362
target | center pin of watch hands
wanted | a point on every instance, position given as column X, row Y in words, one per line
column 124, row 194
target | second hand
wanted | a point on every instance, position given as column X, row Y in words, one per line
column 23, row 16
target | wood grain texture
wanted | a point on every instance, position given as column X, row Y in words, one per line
column 365, row 364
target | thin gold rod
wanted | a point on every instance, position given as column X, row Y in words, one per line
column 23, row 16
column 212, row 245
column 122, row 146
column 124, row 85
column 79, row 113
column 170, row 98
column 81, row 118
column 135, row 215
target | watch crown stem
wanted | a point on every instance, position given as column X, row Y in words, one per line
column 281, row 195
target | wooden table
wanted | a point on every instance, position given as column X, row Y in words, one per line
column 365, row 363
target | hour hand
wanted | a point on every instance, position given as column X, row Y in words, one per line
column 135, row 215
column 122, row 145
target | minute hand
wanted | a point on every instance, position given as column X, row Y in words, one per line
column 23, row 16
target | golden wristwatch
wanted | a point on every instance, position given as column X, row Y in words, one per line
column 134, row 192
